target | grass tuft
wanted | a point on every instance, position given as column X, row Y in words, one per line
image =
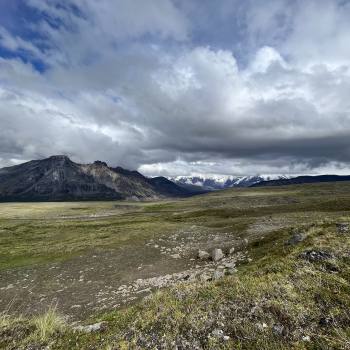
column 48, row 324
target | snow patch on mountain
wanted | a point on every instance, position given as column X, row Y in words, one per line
column 216, row 182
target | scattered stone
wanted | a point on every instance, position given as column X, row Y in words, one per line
column 218, row 333
column 218, row 274
column 296, row 238
column 306, row 338
column 176, row 256
column 261, row 326
column 229, row 265
column 96, row 327
column 203, row 255
column 342, row 227
column 217, row 254
column 316, row 255
column 204, row 277
column 278, row 329
column 232, row 250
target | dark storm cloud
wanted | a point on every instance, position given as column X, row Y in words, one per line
column 158, row 87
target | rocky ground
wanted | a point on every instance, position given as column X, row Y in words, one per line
column 106, row 279
column 200, row 273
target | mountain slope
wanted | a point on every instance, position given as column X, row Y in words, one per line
column 59, row 178
column 303, row 180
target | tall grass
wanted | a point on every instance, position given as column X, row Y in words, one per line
column 48, row 323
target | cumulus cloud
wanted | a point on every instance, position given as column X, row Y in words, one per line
column 145, row 86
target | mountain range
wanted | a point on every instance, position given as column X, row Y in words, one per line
column 59, row 178
column 302, row 180
column 221, row 182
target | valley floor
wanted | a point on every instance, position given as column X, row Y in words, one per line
column 134, row 267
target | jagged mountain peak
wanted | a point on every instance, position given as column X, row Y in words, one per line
column 59, row 178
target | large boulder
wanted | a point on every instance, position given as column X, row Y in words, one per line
column 217, row 254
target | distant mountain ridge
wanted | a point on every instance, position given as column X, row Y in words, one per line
column 222, row 182
column 58, row 178
column 303, row 180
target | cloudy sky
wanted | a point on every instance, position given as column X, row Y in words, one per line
column 178, row 87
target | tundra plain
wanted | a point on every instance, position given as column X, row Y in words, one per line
column 132, row 270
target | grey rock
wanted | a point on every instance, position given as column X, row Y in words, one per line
column 203, row 255
column 316, row 255
column 217, row 254
column 218, row 274
column 278, row 329
column 229, row 265
column 96, row 327
column 296, row 238
column 218, row 333
column 231, row 271
column 232, row 250
column 342, row 227
column 205, row 277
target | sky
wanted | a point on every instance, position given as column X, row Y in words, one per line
column 178, row 87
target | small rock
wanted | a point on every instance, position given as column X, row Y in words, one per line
column 218, row 274
column 232, row 250
column 306, row 338
column 296, row 238
column 278, row 329
column 176, row 256
column 262, row 326
column 100, row 326
column 316, row 255
column 342, row 227
column 204, row 277
column 218, row 333
column 229, row 265
column 203, row 255
column 217, row 254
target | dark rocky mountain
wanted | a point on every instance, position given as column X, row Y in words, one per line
column 58, row 178
column 303, row 180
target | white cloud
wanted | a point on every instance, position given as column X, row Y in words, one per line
column 125, row 84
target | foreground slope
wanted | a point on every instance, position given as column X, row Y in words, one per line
column 58, row 178
column 291, row 288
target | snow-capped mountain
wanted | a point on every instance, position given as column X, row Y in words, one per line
column 218, row 182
